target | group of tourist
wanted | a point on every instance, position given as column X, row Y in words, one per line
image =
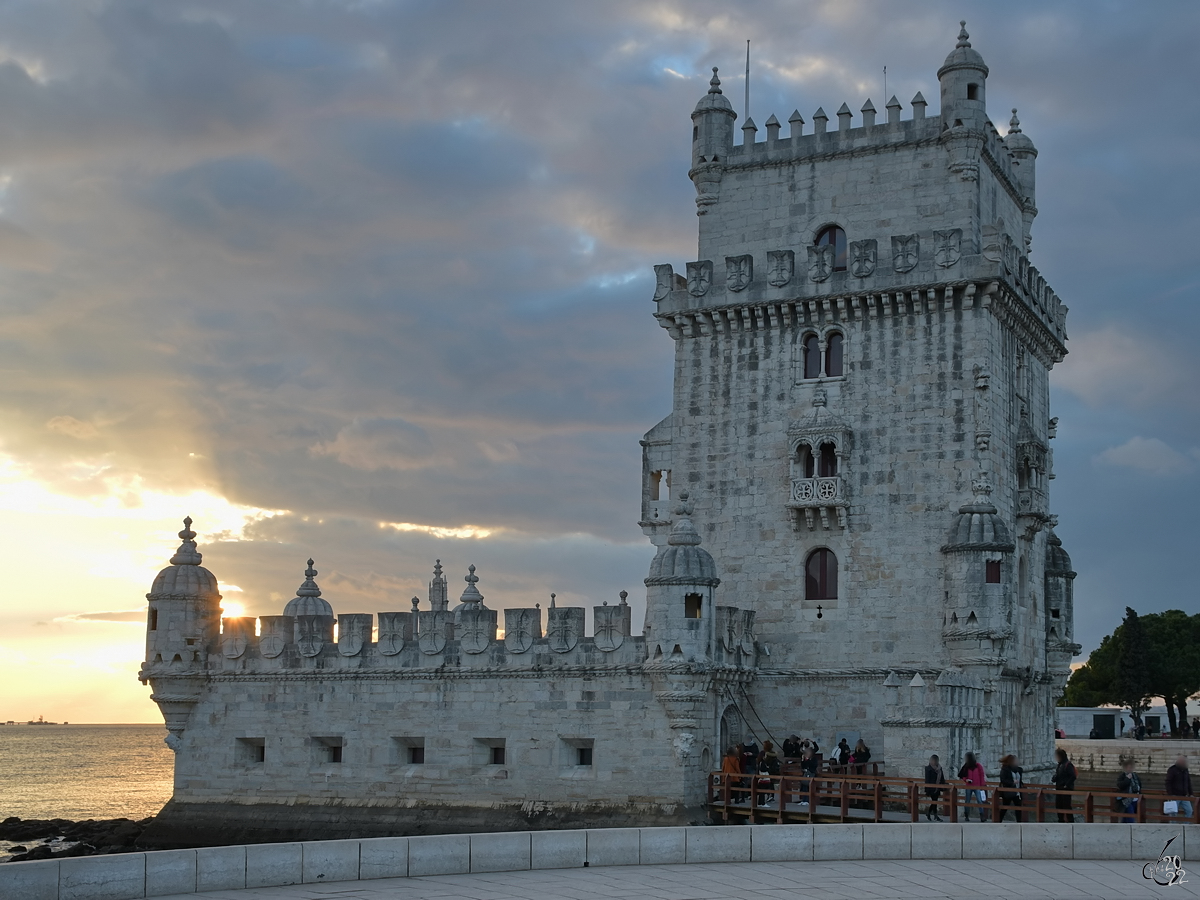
column 747, row 759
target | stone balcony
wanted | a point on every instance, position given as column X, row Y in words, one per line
column 818, row 497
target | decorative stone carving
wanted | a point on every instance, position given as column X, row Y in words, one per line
column 311, row 634
column 682, row 744
column 863, row 256
column 906, row 252
column 236, row 640
column 727, row 623
column 947, row 247
column 564, row 627
column 820, row 262
column 664, row 280
column 610, row 628
column 354, row 630
column 993, row 241
column 781, row 265
column 521, row 628
column 746, row 631
column 395, row 629
column 476, row 629
column 277, row 632
column 739, row 272
column 699, row 278
column 432, row 628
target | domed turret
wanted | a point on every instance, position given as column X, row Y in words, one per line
column 1025, row 155
column 978, row 525
column 185, row 577
column 679, row 595
column 470, row 599
column 963, row 79
column 712, row 142
column 308, row 600
column 1058, row 563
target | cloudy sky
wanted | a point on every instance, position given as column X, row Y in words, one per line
column 370, row 281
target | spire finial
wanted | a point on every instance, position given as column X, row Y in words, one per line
column 309, row 588
column 982, row 488
column 963, row 36
column 624, row 598
column 471, row 578
column 187, row 555
column 552, row 596
column 416, row 603
column 714, row 86
column 471, row 595
column 437, row 568
column 1014, row 124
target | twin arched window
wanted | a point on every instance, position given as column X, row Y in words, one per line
column 822, row 464
column 821, row 576
column 833, row 356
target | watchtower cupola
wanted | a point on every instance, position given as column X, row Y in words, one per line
column 964, row 85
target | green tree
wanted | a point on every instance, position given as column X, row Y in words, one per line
column 1093, row 683
column 1174, row 664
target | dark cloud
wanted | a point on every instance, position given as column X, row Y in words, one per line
column 389, row 263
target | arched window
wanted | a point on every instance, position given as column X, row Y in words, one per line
column 805, row 462
column 812, row 357
column 836, row 238
column 821, row 575
column 833, row 355
column 827, row 463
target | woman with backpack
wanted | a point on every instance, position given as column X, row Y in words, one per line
column 1064, row 780
column 974, row 776
column 934, row 775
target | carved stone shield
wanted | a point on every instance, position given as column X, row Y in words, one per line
column 235, row 640
column 699, row 277
column 739, row 271
column 610, row 627
column 564, row 628
column 664, row 277
column 993, row 245
column 947, row 247
column 863, row 256
column 781, row 264
column 747, row 631
column 311, row 634
column 521, row 628
column 906, row 252
column 476, row 629
column 277, row 633
column 1011, row 254
column 431, row 627
column 395, row 628
column 726, row 618
column 820, row 262
column 354, row 630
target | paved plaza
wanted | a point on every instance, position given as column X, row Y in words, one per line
column 925, row 879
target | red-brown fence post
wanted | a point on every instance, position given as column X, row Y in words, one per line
column 878, row 801
column 779, row 817
column 995, row 806
column 914, row 801
column 1039, row 806
column 1089, row 808
column 845, row 810
column 953, row 812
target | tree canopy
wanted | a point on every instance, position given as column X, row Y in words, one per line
column 1155, row 655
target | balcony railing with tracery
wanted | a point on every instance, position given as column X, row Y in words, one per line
column 814, row 498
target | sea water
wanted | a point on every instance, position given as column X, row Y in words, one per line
column 84, row 771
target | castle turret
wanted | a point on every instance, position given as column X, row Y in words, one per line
column 679, row 596
column 964, row 85
column 1060, row 610
column 312, row 615
column 712, row 142
column 182, row 622
column 438, row 591
column 1025, row 154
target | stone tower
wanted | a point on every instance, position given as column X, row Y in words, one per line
column 861, row 416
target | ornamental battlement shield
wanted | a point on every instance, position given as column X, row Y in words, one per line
column 947, row 247
column 354, row 630
column 476, row 629
column 277, row 633
column 395, row 629
column 820, row 262
column 863, row 256
column 747, row 631
column 236, row 637
column 564, row 628
column 610, row 627
column 521, row 628
column 780, row 265
column 739, row 272
column 664, row 280
column 906, row 252
column 432, row 628
column 699, row 277
column 313, row 633
column 728, row 620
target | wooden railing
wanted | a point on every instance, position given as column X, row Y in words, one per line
column 849, row 796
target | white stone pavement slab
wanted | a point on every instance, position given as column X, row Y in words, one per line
column 857, row 879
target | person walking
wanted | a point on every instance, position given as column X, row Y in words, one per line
column 1179, row 786
column 972, row 773
column 860, row 757
column 808, row 766
column 1196, row 728
column 1063, row 780
column 1128, row 782
column 843, row 752
column 1011, row 776
column 934, row 775
column 731, row 768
